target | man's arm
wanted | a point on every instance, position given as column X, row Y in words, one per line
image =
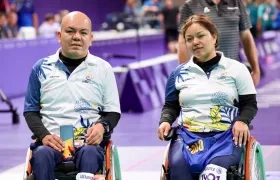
column 171, row 109
column 183, row 53
column 251, row 53
column 110, row 120
column 32, row 107
column 248, row 43
column 247, row 95
column 36, row 125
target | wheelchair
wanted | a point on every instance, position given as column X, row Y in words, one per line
column 251, row 166
column 67, row 170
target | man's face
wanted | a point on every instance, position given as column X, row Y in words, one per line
column 155, row 1
column 12, row 19
column 268, row 1
column 75, row 37
column 168, row 2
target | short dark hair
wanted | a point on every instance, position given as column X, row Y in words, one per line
column 49, row 16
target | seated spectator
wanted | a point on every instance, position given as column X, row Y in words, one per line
column 132, row 8
column 4, row 6
column 3, row 30
column 27, row 16
column 59, row 16
column 151, row 10
column 49, row 27
column 11, row 26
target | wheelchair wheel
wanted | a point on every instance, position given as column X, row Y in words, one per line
column 165, row 168
column 254, row 164
column 112, row 165
column 27, row 166
column 116, row 168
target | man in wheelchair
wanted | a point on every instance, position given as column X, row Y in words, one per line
column 71, row 88
column 215, row 99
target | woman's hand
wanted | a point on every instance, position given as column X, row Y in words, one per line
column 241, row 133
column 163, row 130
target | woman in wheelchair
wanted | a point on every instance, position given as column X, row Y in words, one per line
column 214, row 99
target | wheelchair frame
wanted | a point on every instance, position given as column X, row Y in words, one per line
column 111, row 166
column 15, row 116
column 244, row 171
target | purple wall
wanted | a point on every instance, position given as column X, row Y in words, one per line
column 95, row 9
column 18, row 57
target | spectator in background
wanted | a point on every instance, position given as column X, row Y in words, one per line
column 3, row 30
column 252, row 8
column 11, row 26
column 4, row 6
column 132, row 14
column 49, row 27
column 169, row 18
column 132, row 8
column 59, row 16
column 276, row 22
column 63, row 13
column 265, row 16
column 27, row 16
column 151, row 10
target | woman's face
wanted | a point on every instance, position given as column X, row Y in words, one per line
column 200, row 42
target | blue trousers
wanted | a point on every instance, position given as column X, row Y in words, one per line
column 45, row 159
column 179, row 169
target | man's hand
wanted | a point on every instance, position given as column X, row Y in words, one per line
column 241, row 133
column 256, row 75
column 95, row 134
column 54, row 142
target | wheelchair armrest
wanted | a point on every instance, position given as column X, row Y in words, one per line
column 171, row 134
